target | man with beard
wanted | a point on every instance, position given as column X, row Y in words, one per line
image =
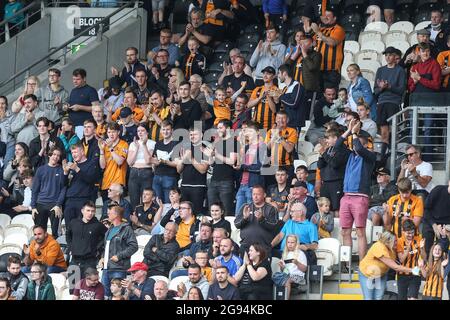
column 228, row 259
column 18, row 280
column 188, row 111
column 131, row 65
column 222, row 289
column 155, row 114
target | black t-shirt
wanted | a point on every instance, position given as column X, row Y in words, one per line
column 224, row 224
column 230, row 292
column 222, row 171
column 190, row 111
column 262, row 284
column 235, row 82
column 84, row 96
column 130, row 133
column 163, row 169
column 146, row 217
column 191, row 177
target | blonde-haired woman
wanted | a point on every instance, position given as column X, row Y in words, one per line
column 176, row 76
column 359, row 87
column 32, row 86
column 374, row 267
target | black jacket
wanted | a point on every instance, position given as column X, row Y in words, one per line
column 332, row 163
column 82, row 184
column 377, row 199
column 85, row 240
column 123, row 245
column 162, row 260
column 35, row 147
column 93, row 150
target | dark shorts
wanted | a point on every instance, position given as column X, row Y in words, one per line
column 385, row 111
column 333, row 191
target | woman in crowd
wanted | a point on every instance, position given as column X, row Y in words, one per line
column 40, row 286
column 359, row 87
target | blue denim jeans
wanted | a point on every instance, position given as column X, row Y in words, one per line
column 372, row 288
column 107, row 276
column 243, row 196
column 162, row 185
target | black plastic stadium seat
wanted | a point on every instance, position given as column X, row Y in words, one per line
column 351, row 35
column 422, row 16
column 355, row 6
column 402, row 2
column 180, row 12
column 219, row 57
column 351, row 18
column 296, row 22
column 225, row 46
column 248, row 38
column 427, row 4
column 402, row 16
column 211, row 77
column 215, row 67
column 247, row 47
column 253, row 28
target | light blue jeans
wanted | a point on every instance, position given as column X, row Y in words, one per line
column 243, row 196
column 372, row 288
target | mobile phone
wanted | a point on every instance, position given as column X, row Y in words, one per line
column 289, row 261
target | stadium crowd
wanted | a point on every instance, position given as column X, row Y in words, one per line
column 172, row 157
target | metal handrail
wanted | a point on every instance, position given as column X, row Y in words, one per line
column 413, row 119
column 5, row 21
column 65, row 44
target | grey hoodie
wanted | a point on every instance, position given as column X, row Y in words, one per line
column 23, row 130
column 203, row 285
column 52, row 111
column 5, row 127
column 260, row 60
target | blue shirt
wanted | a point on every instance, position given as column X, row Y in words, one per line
column 84, row 96
column 174, row 53
column 146, row 288
column 306, row 232
column 11, row 9
column 233, row 264
column 112, row 233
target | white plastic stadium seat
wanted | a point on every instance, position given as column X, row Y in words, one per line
column 304, row 130
column 138, row 256
column 312, row 160
column 369, row 36
column 159, row 278
column 376, row 233
column 1, row 237
column 412, row 38
column 274, row 265
column 4, row 220
column 305, row 148
column 10, row 248
column 336, row 233
column 16, row 238
column 351, row 46
column 142, row 240
column 230, row 219
column 64, row 294
column 173, row 285
column 394, row 36
column 17, row 228
column 422, row 25
column 369, row 75
column 405, row 26
column 366, row 55
column 25, row 219
column 328, row 254
column 236, row 236
column 376, row 45
column 379, row 26
column 372, row 65
column 58, row 280
column 348, row 58
column 400, row 45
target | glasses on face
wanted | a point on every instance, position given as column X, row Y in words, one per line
column 35, row 271
column 411, row 154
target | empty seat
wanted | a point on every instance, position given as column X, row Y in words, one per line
column 376, row 45
column 17, row 228
column 138, row 256
column 370, row 65
column 9, row 248
column 142, row 240
column 405, row 26
column 422, row 24
column 249, row 37
column 351, row 46
column 369, row 75
column 215, row 67
column 24, row 219
column 403, row 46
column 236, row 236
column 254, row 28
column 350, row 18
column 58, row 280
column 348, row 58
column 366, row 55
column 379, row 26
column 224, row 47
column 369, row 36
column 230, row 219
column 305, row 148
column 395, row 35
column 16, row 238
column 64, row 294
column 4, row 220
column 211, row 77
column 311, row 160
column 412, row 38
column 247, row 47
column 328, row 254
column 219, row 57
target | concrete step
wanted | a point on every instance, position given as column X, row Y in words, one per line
column 350, row 288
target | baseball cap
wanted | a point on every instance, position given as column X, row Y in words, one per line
column 424, row 32
column 389, row 50
column 383, row 171
column 115, row 83
column 300, row 184
column 125, row 112
column 269, row 69
column 138, row 266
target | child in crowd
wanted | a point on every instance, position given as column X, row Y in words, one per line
column 301, row 174
column 193, row 62
column 116, row 290
column 368, row 124
column 293, row 264
column 324, row 219
column 25, row 207
column 433, row 272
column 128, row 129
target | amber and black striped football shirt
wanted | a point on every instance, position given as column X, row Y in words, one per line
column 263, row 114
column 155, row 128
column 332, row 56
column 434, row 284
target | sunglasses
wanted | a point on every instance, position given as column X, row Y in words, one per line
column 411, row 154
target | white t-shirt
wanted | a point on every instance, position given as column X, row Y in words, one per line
column 423, row 169
column 140, row 155
column 370, row 126
column 301, row 257
column 27, row 197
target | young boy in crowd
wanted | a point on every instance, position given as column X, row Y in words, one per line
column 193, row 62
column 301, row 174
column 25, row 207
column 128, row 129
column 324, row 219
